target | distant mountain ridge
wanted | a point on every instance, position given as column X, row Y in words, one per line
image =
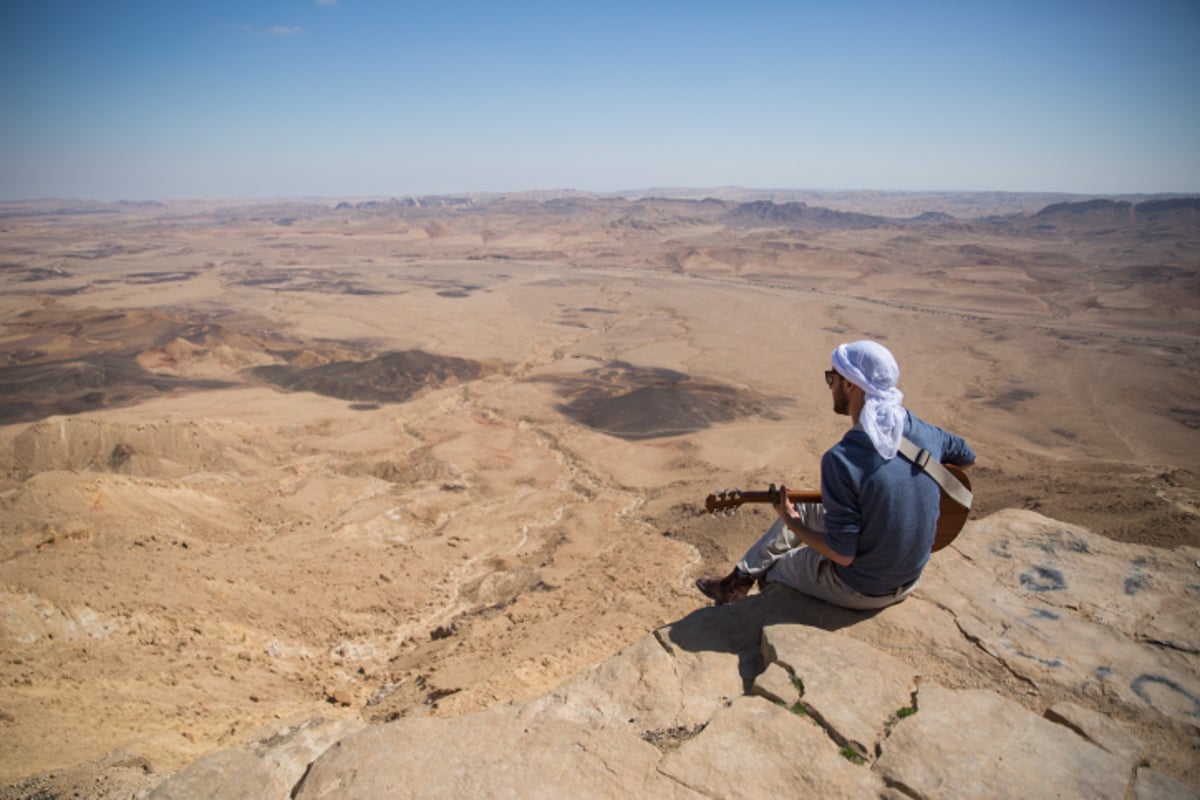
column 810, row 210
column 1103, row 216
column 1121, row 208
column 798, row 214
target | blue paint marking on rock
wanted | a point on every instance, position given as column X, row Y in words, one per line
column 1043, row 579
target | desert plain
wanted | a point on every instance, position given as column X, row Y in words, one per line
column 423, row 456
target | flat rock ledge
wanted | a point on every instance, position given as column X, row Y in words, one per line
column 1035, row 660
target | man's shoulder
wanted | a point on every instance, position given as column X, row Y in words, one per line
column 852, row 440
column 916, row 427
column 854, row 450
column 937, row 440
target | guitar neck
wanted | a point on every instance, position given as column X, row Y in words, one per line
column 794, row 495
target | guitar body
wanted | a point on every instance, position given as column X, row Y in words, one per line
column 951, row 516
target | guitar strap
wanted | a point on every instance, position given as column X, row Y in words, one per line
column 950, row 484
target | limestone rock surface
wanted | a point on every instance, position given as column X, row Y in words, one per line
column 756, row 749
column 851, row 687
column 491, row 754
column 973, row 743
column 266, row 767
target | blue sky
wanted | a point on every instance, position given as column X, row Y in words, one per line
column 167, row 99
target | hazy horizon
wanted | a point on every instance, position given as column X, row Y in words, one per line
column 735, row 194
column 336, row 98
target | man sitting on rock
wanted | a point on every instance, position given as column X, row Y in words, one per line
column 865, row 544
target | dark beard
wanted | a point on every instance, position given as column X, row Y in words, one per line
column 841, row 401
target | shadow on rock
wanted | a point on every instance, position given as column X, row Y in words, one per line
column 738, row 628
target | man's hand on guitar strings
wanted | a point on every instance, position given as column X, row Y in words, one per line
column 784, row 507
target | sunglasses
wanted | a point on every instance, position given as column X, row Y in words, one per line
column 830, row 374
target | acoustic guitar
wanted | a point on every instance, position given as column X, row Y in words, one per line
column 951, row 516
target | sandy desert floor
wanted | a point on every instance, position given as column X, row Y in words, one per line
column 385, row 459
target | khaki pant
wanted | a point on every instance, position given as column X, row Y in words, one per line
column 778, row 556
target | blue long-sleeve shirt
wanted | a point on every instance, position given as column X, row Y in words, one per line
column 884, row 513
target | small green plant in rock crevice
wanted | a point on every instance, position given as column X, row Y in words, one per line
column 798, row 706
column 900, row 714
column 852, row 755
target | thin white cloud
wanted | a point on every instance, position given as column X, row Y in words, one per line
column 284, row 30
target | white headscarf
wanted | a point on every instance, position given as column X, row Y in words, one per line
column 869, row 366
